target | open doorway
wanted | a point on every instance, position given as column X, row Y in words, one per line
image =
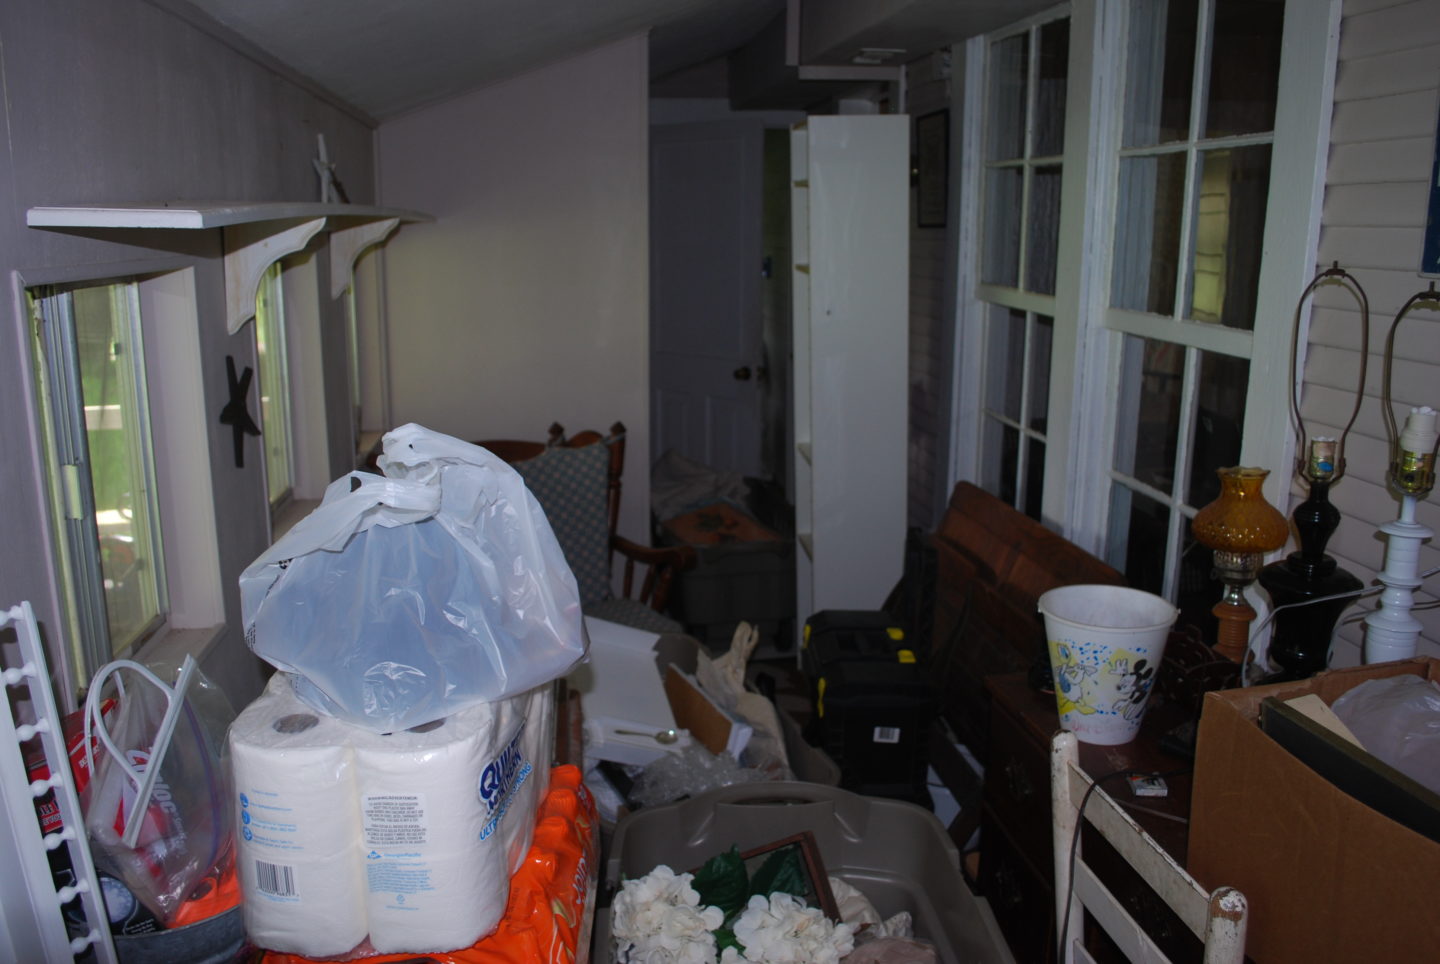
column 720, row 354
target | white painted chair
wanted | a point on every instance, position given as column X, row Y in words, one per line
column 1217, row 918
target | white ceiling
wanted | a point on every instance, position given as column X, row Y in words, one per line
column 390, row 56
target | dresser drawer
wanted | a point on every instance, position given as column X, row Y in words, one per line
column 1021, row 899
column 1017, row 786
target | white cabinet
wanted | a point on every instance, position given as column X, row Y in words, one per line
column 850, row 251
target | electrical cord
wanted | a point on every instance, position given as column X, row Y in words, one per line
column 1075, row 837
column 1253, row 654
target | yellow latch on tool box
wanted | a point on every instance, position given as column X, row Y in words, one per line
column 905, row 655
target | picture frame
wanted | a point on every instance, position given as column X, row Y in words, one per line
column 818, row 893
column 932, row 168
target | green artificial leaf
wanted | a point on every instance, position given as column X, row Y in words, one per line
column 782, row 873
column 722, row 882
column 725, row 937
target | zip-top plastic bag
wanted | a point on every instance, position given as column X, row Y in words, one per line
column 404, row 598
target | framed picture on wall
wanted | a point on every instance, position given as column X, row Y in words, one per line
column 932, row 163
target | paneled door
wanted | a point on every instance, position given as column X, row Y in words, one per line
column 706, row 364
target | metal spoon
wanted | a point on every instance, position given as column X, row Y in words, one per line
column 664, row 737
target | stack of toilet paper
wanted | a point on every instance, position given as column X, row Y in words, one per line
column 408, row 838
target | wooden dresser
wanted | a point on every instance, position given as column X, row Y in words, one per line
column 992, row 564
column 1016, row 868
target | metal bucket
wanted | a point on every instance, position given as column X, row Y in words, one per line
column 216, row 940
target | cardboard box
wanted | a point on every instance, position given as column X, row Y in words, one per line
column 1327, row 878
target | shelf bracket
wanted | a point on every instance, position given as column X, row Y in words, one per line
column 252, row 248
column 346, row 246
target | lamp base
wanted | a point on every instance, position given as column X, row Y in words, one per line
column 1235, row 570
column 1232, row 639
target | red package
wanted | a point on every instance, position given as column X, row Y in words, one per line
column 38, row 768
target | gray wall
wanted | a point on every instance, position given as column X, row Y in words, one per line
column 117, row 100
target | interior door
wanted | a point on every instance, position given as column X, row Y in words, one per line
column 706, row 365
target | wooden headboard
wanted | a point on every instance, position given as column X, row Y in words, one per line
column 992, row 564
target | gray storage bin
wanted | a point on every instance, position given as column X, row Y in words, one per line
column 895, row 852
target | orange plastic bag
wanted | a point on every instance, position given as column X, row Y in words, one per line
column 548, row 917
column 214, row 896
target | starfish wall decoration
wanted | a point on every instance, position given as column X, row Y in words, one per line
column 236, row 412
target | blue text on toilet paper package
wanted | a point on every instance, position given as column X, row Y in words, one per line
column 501, row 780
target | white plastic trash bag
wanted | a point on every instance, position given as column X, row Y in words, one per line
column 405, row 598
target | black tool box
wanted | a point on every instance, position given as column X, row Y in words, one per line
column 872, row 702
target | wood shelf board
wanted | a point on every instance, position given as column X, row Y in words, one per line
column 199, row 215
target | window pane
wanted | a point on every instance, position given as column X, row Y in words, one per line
column 1138, row 528
column 1034, row 477
column 1219, row 419
column 1044, row 236
column 274, row 384
column 1004, row 360
column 1244, row 67
column 1229, row 226
column 1054, row 64
column 1160, row 71
column 1009, row 67
column 1198, row 590
column 999, row 459
column 1147, row 233
column 1148, row 411
column 1042, row 334
column 1003, row 188
column 116, row 437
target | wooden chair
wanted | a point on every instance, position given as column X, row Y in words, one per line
column 1218, row 918
column 576, row 480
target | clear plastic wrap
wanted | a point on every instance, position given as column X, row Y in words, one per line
column 406, row 598
column 689, row 771
column 1398, row 720
column 185, row 830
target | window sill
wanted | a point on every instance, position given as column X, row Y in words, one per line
column 171, row 646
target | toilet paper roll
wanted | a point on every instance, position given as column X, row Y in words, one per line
column 299, row 822
column 536, row 710
column 436, row 871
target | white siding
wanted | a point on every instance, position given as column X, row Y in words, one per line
column 1382, row 138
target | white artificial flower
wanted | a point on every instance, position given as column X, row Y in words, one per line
column 656, row 919
column 780, row 929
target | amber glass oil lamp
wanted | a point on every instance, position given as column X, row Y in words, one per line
column 1240, row 527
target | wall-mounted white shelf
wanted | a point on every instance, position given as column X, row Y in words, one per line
column 196, row 215
column 256, row 234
